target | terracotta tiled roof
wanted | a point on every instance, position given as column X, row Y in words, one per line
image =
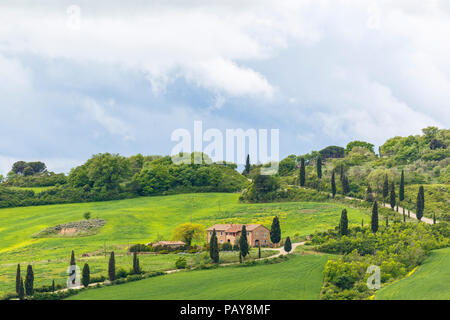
column 233, row 227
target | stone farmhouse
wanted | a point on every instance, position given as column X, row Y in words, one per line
column 257, row 234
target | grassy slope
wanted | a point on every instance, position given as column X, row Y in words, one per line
column 298, row 278
column 430, row 281
column 139, row 221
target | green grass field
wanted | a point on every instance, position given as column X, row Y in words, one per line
column 139, row 220
column 298, row 278
column 430, row 282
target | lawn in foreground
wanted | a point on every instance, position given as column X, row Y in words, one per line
column 430, row 282
column 139, row 220
column 298, row 278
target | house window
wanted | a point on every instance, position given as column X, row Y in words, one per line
column 220, row 233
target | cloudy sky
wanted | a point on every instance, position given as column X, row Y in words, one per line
column 78, row 78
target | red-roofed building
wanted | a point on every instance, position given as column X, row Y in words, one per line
column 257, row 234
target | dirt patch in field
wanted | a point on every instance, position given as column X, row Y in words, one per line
column 308, row 210
column 72, row 229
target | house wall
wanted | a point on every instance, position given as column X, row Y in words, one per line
column 262, row 235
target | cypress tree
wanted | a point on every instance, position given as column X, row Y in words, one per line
column 214, row 247
column 18, row 279
column 72, row 259
column 385, row 188
column 302, row 177
column 345, row 185
column 112, row 267
column 392, row 196
column 53, row 285
column 420, row 204
column 401, row 191
column 333, row 185
column 374, row 222
column 404, row 216
column 243, row 242
column 369, row 194
column 259, row 251
column 21, row 293
column 247, row 165
column 275, row 231
column 319, row 167
column 288, row 245
column 343, row 225
column 422, row 193
column 434, row 218
column 86, row 278
column 240, row 257
column 29, row 281
column 136, row 265
column 341, row 172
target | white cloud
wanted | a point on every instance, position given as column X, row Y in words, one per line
column 324, row 72
column 113, row 125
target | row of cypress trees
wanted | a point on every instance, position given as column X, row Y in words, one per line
column 26, row 289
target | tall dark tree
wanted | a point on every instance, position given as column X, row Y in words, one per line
column 374, row 221
column 319, row 167
column 369, row 194
column 21, row 293
column 345, row 184
column 401, row 190
column 288, row 245
column 136, row 265
column 243, row 242
column 259, row 251
column 387, row 221
column 112, row 267
column 53, row 285
column 247, row 166
column 333, row 185
column 302, row 177
column 385, row 188
column 214, row 247
column 420, row 203
column 343, row 224
column 422, row 194
column 29, row 281
column 72, row 259
column 434, row 218
column 86, row 277
column 18, row 279
column 404, row 216
column 392, row 196
column 275, row 231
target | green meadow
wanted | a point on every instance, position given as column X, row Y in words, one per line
column 429, row 282
column 298, row 278
column 139, row 220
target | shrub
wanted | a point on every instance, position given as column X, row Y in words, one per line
column 181, row 263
